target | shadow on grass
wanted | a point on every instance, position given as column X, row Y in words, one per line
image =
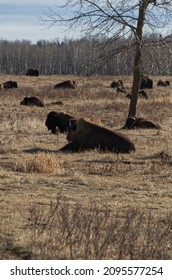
column 39, row 150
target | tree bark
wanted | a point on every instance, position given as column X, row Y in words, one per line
column 136, row 83
column 137, row 60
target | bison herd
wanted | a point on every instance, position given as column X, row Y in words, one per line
column 85, row 134
column 145, row 83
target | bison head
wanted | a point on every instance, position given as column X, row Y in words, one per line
column 58, row 121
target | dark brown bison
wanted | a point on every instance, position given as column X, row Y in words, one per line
column 32, row 101
column 146, row 82
column 10, row 84
column 163, row 83
column 66, row 84
column 58, row 121
column 134, row 123
column 84, row 134
column 116, row 84
column 32, row 72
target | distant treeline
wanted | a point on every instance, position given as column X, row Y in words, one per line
column 85, row 56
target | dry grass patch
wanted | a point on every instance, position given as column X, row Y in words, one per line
column 41, row 163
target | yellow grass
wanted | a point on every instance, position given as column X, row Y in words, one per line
column 34, row 174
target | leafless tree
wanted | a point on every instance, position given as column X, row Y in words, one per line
column 114, row 19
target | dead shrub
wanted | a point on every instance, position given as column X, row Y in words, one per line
column 42, row 163
column 62, row 232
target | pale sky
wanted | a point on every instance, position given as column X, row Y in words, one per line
column 20, row 20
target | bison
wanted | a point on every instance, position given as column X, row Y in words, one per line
column 163, row 83
column 58, row 121
column 117, row 84
column 146, row 82
column 10, row 84
column 66, row 84
column 32, row 101
column 32, row 72
column 84, row 134
column 134, row 123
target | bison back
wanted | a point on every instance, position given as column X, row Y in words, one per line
column 89, row 135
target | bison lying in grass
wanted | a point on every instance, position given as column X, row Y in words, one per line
column 32, row 72
column 146, row 82
column 10, row 84
column 116, row 84
column 163, row 83
column 66, row 84
column 32, row 101
column 84, row 134
column 134, row 123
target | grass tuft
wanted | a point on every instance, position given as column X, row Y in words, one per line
column 43, row 163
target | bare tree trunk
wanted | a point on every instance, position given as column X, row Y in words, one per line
column 137, row 60
column 136, row 83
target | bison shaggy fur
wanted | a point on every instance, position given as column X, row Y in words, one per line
column 146, row 82
column 32, row 101
column 85, row 135
column 58, row 121
column 163, row 83
column 116, row 84
column 32, row 72
column 10, row 84
column 135, row 123
column 66, row 84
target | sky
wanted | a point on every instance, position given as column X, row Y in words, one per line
column 20, row 20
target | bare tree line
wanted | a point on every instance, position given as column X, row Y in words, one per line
column 86, row 56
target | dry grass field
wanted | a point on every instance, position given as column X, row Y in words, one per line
column 86, row 205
